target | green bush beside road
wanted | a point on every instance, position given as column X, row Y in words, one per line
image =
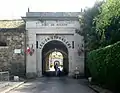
column 104, row 65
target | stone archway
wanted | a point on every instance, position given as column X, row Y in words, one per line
column 50, row 47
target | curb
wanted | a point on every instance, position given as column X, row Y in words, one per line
column 13, row 87
column 99, row 90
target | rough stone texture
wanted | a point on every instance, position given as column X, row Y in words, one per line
column 31, row 75
column 15, row 63
column 61, row 24
column 11, row 23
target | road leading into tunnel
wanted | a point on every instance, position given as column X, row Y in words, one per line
column 54, row 85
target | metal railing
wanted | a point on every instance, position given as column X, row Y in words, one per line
column 4, row 76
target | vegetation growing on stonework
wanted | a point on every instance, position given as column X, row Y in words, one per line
column 91, row 38
column 104, row 65
column 101, row 28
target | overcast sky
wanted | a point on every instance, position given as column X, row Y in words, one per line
column 14, row 9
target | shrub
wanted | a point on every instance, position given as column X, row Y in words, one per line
column 104, row 65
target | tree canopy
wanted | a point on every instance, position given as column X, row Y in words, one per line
column 101, row 24
column 108, row 22
column 88, row 26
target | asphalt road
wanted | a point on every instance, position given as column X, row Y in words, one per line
column 54, row 85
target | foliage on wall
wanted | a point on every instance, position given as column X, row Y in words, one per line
column 104, row 65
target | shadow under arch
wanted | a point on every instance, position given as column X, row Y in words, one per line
column 50, row 47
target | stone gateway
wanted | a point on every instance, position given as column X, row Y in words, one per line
column 53, row 37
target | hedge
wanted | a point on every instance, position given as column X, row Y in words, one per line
column 104, row 65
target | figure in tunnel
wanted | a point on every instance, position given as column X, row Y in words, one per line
column 57, row 70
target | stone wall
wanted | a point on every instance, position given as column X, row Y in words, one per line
column 9, row 60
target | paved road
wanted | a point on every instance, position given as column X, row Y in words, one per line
column 54, row 85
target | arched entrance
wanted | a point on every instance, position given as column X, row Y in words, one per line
column 54, row 52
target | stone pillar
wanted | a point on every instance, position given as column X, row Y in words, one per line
column 31, row 59
column 71, row 62
column 39, row 65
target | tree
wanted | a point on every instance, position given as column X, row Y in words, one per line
column 88, row 27
column 108, row 22
column 88, row 30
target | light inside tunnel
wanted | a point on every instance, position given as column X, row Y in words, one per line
column 55, row 57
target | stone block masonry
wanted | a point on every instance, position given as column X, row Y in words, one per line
column 11, row 60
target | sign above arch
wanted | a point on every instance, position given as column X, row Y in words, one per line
column 55, row 37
